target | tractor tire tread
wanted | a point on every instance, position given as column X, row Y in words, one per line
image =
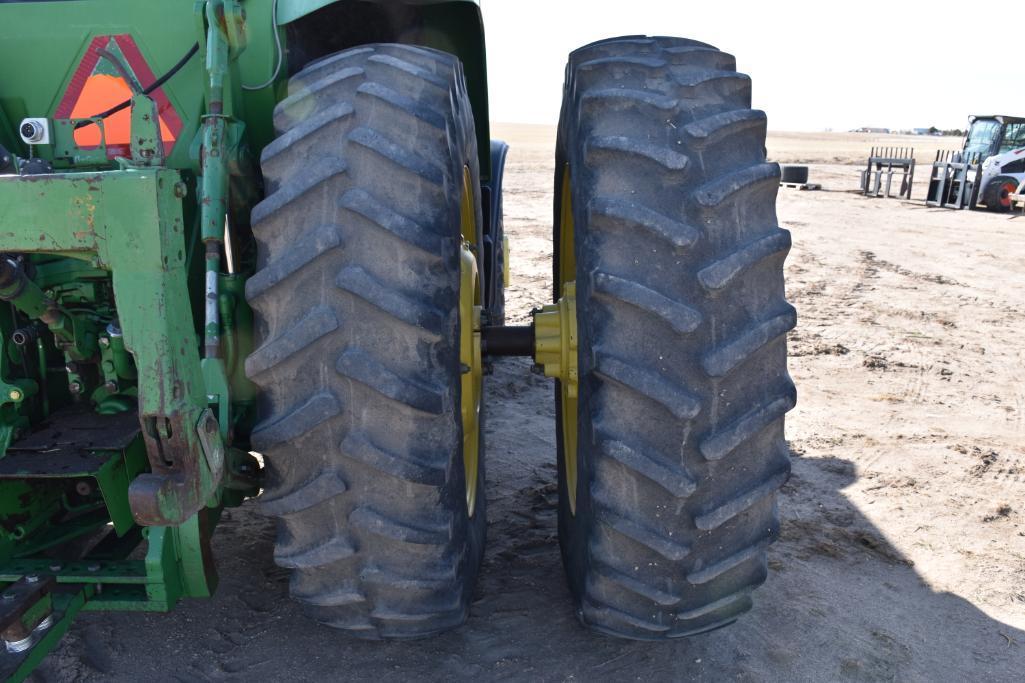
column 682, row 333
column 357, row 328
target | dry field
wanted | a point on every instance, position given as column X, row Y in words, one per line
column 852, row 148
column 903, row 549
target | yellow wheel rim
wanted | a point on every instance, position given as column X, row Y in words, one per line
column 469, row 340
column 567, row 289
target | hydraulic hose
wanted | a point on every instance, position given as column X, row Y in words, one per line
column 147, row 90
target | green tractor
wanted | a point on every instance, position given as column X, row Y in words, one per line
column 255, row 248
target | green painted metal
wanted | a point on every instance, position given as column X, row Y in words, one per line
column 104, row 269
column 130, row 222
column 43, row 43
column 290, row 10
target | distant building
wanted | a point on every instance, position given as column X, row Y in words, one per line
column 920, row 131
column 866, row 129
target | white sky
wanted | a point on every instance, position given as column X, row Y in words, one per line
column 814, row 65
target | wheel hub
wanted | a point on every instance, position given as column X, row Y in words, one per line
column 470, row 346
column 555, row 351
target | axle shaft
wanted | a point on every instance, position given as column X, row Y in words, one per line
column 502, row 340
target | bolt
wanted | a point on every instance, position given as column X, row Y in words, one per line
column 180, row 190
column 15, row 394
column 31, row 578
column 75, row 388
column 104, row 342
column 8, row 596
column 111, row 386
column 83, row 488
column 94, row 567
column 55, row 567
column 71, row 367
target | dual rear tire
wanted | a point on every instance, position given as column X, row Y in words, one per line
column 668, row 205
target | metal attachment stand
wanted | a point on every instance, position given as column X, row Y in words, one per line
column 887, row 161
column 954, row 183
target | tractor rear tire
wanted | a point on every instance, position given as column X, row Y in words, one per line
column 682, row 326
column 357, row 308
column 997, row 195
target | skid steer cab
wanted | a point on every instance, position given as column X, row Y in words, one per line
column 255, row 250
column 989, row 169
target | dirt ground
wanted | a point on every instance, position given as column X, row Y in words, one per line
column 902, row 555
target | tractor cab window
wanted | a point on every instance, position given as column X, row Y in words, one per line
column 1014, row 137
column 982, row 137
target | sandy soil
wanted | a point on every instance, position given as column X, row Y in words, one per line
column 903, row 549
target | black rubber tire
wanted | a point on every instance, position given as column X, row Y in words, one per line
column 682, row 338
column 794, row 174
column 995, row 196
column 356, row 304
column 496, row 313
column 495, row 285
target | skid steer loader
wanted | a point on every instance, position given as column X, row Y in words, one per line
column 255, row 248
column 989, row 168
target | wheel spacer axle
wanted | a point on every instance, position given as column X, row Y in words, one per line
column 551, row 340
column 507, row 340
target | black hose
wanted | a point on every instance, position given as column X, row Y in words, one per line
column 146, row 91
column 130, row 79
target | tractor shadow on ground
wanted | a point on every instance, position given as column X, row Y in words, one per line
column 841, row 602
